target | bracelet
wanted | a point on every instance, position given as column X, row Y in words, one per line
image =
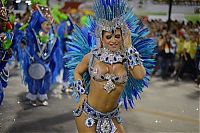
column 133, row 57
column 78, row 87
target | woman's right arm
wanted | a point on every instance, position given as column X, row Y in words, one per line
column 81, row 67
column 79, row 70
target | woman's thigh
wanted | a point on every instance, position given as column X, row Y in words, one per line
column 120, row 128
column 82, row 128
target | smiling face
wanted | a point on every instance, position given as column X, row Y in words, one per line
column 45, row 26
column 112, row 41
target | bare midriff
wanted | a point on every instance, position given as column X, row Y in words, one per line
column 102, row 101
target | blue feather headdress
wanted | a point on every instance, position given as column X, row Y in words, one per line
column 109, row 15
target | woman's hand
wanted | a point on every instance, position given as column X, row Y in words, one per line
column 83, row 98
column 79, row 106
column 127, row 38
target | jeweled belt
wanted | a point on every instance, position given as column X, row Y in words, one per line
column 104, row 120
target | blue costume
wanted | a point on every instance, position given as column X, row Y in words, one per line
column 64, row 29
column 5, row 55
column 41, row 56
column 6, row 43
column 109, row 15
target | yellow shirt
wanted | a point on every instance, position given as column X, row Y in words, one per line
column 186, row 46
column 179, row 45
column 192, row 49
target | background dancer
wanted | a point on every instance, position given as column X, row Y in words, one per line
column 6, row 45
column 41, row 63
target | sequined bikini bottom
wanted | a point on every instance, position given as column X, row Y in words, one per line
column 104, row 123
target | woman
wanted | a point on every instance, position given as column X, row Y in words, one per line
column 108, row 100
column 110, row 72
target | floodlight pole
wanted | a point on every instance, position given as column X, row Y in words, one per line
column 169, row 14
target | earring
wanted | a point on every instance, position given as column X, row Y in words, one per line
column 101, row 44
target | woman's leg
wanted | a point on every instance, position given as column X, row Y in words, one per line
column 82, row 128
column 120, row 128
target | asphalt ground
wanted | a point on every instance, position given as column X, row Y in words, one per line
column 166, row 106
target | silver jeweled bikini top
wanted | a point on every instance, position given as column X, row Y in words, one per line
column 105, row 56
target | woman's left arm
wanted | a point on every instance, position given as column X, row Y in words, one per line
column 135, row 64
column 138, row 72
column 134, row 61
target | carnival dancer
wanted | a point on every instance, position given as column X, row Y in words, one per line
column 110, row 60
column 41, row 64
column 64, row 28
column 6, row 44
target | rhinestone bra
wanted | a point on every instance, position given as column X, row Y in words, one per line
column 105, row 56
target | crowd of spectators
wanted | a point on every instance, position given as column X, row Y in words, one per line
column 178, row 49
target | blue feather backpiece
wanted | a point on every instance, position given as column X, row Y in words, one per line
column 84, row 40
column 81, row 43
